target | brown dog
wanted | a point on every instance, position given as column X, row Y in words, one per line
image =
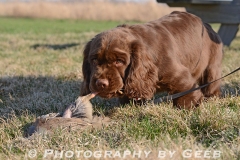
column 174, row 53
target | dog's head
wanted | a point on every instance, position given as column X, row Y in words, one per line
column 117, row 63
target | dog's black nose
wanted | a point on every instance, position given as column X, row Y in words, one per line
column 102, row 83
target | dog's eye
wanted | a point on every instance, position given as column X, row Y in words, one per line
column 95, row 61
column 118, row 62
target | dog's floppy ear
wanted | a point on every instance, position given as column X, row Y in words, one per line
column 142, row 76
column 86, row 70
column 123, row 25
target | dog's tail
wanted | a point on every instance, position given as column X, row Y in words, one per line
column 212, row 34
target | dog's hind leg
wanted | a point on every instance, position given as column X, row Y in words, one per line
column 180, row 82
column 190, row 100
column 213, row 72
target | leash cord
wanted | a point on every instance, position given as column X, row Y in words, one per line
column 177, row 95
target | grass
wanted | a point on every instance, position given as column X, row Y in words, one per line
column 88, row 10
column 41, row 73
column 46, row 26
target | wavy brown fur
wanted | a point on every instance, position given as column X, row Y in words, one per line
column 174, row 53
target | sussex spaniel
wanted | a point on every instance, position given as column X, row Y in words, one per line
column 174, row 53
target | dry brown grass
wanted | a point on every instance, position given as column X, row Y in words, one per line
column 94, row 10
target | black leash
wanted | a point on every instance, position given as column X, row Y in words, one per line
column 177, row 95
